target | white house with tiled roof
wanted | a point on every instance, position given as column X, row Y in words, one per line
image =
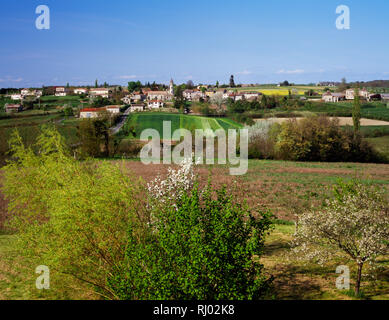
column 80, row 91
column 333, row 97
column 362, row 93
column 100, row 92
column 61, row 91
column 159, row 95
column 155, row 104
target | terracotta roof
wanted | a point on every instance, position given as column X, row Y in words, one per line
column 157, row 93
column 92, row 109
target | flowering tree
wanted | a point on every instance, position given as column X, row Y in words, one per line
column 356, row 223
column 218, row 100
column 177, row 182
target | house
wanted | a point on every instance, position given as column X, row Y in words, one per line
column 38, row 93
column 188, row 94
column 13, row 108
column 251, row 95
column 100, row 92
column 26, row 92
column 236, row 96
column 89, row 113
column 194, row 95
column 61, row 91
column 127, row 99
column 137, row 96
column 155, row 104
column 333, row 97
column 114, row 110
column 159, row 95
column 328, row 84
column 17, row 96
column 137, row 108
column 363, row 93
column 80, row 91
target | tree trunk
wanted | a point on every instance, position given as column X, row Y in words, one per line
column 359, row 278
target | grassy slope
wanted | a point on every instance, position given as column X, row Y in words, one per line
column 28, row 127
column 381, row 144
column 155, row 121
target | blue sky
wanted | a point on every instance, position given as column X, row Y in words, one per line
column 258, row 41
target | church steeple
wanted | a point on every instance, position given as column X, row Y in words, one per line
column 171, row 87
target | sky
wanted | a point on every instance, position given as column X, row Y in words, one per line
column 204, row 41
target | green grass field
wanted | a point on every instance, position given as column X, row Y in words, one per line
column 381, row 144
column 287, row 188
column 142, row 121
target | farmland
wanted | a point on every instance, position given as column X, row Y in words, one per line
column 282, row 91
column 287, row 188
column 142, row 121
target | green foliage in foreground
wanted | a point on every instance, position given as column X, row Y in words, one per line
column 92, row 223
column 71, row 216
column 202, row 250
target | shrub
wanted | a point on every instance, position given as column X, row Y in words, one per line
column 321, row 139
column 71, row 216
column 262, row 140
column 199, row 245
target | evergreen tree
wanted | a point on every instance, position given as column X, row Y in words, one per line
column 232, row 82
column 357, row 112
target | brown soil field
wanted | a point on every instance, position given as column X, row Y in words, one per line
column 286, row 188
column 343, row 121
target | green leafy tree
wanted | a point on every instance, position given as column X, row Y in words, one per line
column 203, row 248
column 134, row 86
column 71, row 216
column 357, row 113
column 94, row 136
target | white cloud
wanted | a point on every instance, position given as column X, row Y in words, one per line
column 128, row 77
column 297, row 71
column 245, row 73
column 10, row 79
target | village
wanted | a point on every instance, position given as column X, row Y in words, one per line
column 146, row 99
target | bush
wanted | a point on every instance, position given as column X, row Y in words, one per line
column 321, row 139
column 262, row 140
column 201, row 246
column 71, row 216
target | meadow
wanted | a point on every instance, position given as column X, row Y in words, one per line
column 287, row 188
column 154, row 120
column 282, row 91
